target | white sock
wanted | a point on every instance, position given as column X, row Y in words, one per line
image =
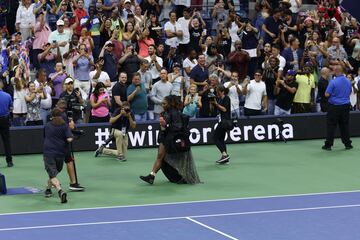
column 152, row 173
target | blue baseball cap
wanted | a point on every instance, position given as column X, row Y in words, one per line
column 291, row 72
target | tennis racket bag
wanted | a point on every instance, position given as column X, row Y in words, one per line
column 3, row 189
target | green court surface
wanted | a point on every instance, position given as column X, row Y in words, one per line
column 257, row 169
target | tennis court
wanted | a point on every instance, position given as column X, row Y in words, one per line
column 269, row 191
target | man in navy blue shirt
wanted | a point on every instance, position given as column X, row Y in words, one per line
column 56, row 136
column 5, row 107
column 338, row 92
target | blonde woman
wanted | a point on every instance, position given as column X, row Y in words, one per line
column 192, row 102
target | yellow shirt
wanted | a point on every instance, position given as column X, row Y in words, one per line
column 306, row 84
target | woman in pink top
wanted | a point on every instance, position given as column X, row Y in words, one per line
column 100, row 103
column 42, row 32
column 144, row 42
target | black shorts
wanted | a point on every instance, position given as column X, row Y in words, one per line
column 53, row 165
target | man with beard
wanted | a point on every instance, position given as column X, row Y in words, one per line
column 285, row 91
column 325, row 76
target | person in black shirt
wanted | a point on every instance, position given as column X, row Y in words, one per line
column 119, row 92
column 130, row 62
column 325, row 76
column 222, row 103
column 121, row 120
column 73, row 99
column 56, row 136
column 285, row 91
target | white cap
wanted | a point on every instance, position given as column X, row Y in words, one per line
column 127, row 1
column 68, row 80
column 60, row 23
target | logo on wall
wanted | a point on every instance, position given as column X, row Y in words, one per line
column 146, row 135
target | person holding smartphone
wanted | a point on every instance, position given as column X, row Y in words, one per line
column 100, row 103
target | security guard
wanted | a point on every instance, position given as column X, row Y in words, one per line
column 338, row 92
column 5, row 107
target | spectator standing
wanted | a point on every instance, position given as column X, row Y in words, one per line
column 100, row 103
column 60, row 37
column 304, row 97
column 271, row 26
column 41, row 36
column 130, row 62
column 185, row 39
column 46, row 103
column 119, row 91
column 160, row 90
column 57, row 79
column 325, row 76
column 20, row 109
column 255, row 92
column 338, row 92
column 173, row 32
column 200, row 73
column 177, row 81
column 98, row 75
column 144, row 42
column 5, row 108
column 71, row 54
column 156, row 63
column 293, row 55
column 33, row 99
column 188, row 64
column 285, row 91
column 110, row 64
column 207, row 93
column 145, row 75
column 234, row 93
column 270, row 74
column 80, row 13
column 239, row 60
column 25, row 19
column 83, row 63
column 47, row 59
column 192, row 102
column 137, row 97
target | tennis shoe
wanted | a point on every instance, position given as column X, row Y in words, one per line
column 48, row 193
column 223, row 160
column 99, row 151
column 149, row 178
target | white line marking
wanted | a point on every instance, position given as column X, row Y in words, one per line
column 188, row 202
column 177, row 218
column 212, row 229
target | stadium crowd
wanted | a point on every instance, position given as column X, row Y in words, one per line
column 97, row 54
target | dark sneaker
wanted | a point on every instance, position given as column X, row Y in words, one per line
column 63, row 196
column 149, row 178
column 327, row 148
column 75, row 187
column 121, row 158
column 348, row 147
column 99, row 151
column 10, row 164
column 223, row 160
column 48, row 193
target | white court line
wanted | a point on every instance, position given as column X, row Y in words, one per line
column 185, row 202
column 212, row 229
column 177, row 218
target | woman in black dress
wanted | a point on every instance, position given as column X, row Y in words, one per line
column 176, row 162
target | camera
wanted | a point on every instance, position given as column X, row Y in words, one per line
column 133, row 51
column 211, row 95
column 127, row 110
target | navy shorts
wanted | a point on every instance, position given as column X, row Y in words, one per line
column 53, row 165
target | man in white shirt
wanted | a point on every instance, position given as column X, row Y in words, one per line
column 173, row 31
column 235, row 90
column 99, row 76
column 160, row 90
column 61, row 37
column 156, row 63
column 25, row 19
column 185, row 39
column 255, row 92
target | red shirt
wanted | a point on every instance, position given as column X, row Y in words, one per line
column 80, row 13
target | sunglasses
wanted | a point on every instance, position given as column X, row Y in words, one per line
column 70, row 83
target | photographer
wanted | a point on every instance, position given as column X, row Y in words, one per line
column 73, row 100
column 222, row 103
column 56, row 137
column 121, row 120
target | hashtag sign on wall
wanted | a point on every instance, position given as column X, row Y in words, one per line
column 102, row 135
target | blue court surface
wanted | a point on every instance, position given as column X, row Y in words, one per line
column 323, row 216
